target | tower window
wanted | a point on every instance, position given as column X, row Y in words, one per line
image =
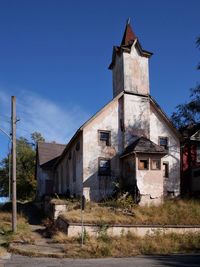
column 104, row 137
column 104, row 167
column 163, row 141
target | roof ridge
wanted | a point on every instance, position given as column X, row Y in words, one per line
column 44, row 142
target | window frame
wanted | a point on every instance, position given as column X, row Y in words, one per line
column 152, row 164
column 100, row 173
column 143, row 159
column 164, row 137
column 104, row 142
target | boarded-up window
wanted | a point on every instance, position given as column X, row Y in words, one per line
column 166, row 169
column 163, row 141
column 143, row 164
column 155, row 164
column 104, row 167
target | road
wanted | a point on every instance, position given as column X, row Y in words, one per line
column 145, row 261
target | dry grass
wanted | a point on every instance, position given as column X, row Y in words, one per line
column 23, row 233
column 129, row 245
column 176, row 212
column 3, row 251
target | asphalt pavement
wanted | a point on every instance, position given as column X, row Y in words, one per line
column 144, row 261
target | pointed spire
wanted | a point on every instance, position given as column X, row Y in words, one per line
column 129, row 36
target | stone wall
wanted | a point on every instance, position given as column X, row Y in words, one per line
column 75, row 229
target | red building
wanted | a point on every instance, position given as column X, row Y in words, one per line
column 190, row 182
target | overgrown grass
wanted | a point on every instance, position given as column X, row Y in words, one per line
column 173, row 212
column 23, row 233
column 129, row 245
column 3, row 251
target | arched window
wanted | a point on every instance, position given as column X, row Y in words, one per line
column 67, row 175
column 74, row 167
column 56, row 188
column 62, row 179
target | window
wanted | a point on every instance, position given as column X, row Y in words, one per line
column 196, row 173
column 166, row 169
column 163, row 141
column 74, row 167
column 77, row 146
column 155, row 164
column 104, row 137
column 104, row 167
column 143, row 164
column 198, row 153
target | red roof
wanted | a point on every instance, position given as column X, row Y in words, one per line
column 129, row 36
column 127, row 41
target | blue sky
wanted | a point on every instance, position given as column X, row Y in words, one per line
column 54, row 57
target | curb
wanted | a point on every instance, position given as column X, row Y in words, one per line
column 31, row 253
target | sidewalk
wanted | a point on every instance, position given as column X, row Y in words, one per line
column 43, row 247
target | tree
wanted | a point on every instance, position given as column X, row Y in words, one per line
column 189, row 112
column 26, row 183
column 37, row 137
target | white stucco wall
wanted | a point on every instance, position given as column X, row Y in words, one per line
column 131, row 73
column 97, row 187
column 136, row 117
column 136, row 72
column 159, row 128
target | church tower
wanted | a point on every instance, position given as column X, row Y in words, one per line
column 130, row 65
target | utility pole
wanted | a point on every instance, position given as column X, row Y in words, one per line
column 14, row 198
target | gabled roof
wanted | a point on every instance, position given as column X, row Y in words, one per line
column 129, row 39
column 48, row 152
column 143, row 145
column 190, row 131
column 79, row 131
column 164, row 116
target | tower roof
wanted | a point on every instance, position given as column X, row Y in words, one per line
column 129, row 36
column 128, row 39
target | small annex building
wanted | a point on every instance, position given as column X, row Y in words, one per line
column 130, row 141
column 46, row 156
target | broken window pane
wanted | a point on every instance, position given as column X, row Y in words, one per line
column 104, row 167
column 163, row 141
column 105, row 137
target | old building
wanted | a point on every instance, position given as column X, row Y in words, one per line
column 46, row 155
column 190, row 182
column 130, row 140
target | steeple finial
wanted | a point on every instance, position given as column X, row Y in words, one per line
column 129, row 36
column 128, row 21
